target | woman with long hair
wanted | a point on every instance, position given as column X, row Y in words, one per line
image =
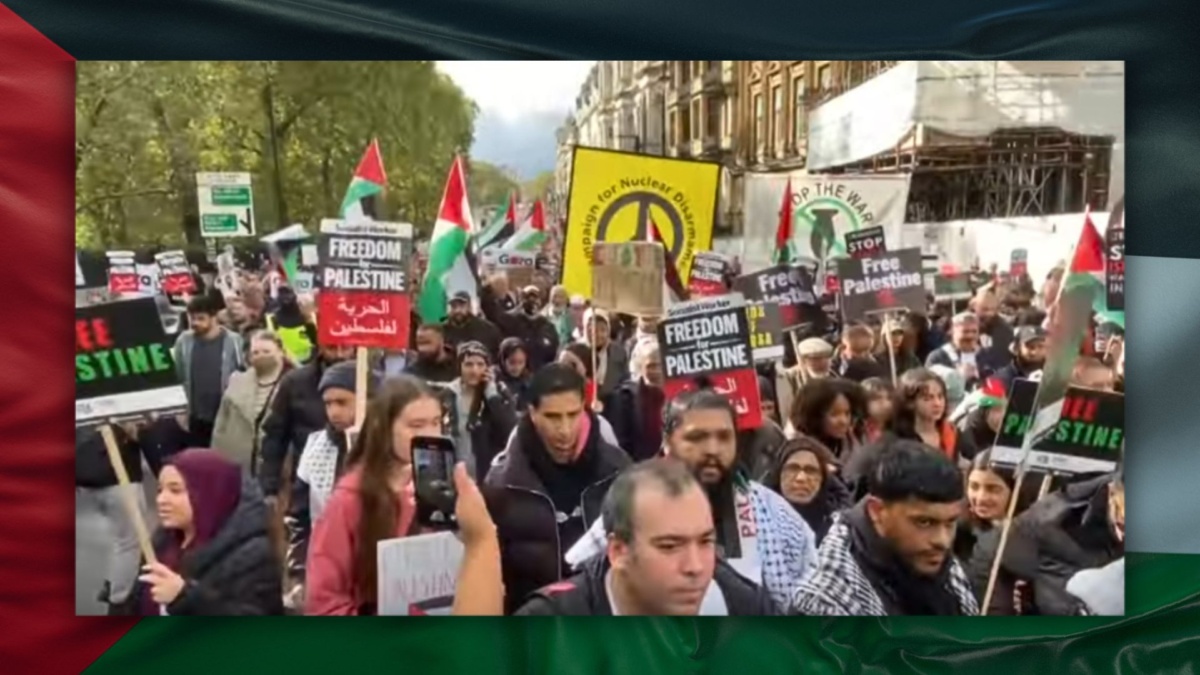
column 921, row 412
column 372, row 502
column 802, row 476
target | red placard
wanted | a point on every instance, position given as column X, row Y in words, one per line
column 177, row 283
column 363, row 319
column 740, row 386
column 122, row 282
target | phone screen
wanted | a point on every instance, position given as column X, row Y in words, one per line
column 433, row 473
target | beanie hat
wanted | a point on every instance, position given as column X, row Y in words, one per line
column 343, row 375
column 473, row 348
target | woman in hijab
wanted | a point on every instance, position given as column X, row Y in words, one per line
column 513, row 370
column 215, row 556
column 802, row 477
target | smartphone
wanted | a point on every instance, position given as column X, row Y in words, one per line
column 433, row 476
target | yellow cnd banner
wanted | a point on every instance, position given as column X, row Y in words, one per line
column 616, row 195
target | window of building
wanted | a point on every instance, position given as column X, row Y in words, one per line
column 685, row 126
column 825, row 77
column 799, row 115
column 759, row 113
column 672, row 131
column 712, row 112
column 778, row 123
column 697, row 120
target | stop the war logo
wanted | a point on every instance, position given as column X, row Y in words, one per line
column 121, row 352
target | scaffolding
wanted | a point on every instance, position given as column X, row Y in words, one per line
column 1010, row 173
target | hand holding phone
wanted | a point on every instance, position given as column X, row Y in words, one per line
column 433, row 466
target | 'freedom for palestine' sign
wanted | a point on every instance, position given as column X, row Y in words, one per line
column 892, row 281
column 123, row 363
column 706, row 343
column 364, row 268
column 1087, row 438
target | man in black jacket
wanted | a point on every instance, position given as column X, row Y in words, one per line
column 462, row 326
column 549, row 482
column 434, row 361
column 661, row 558
column 296, row 412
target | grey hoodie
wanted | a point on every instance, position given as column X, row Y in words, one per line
column 1102, row 589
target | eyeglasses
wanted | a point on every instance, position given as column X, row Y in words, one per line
column 793, row 472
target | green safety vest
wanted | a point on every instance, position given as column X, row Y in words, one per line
column 295, row 340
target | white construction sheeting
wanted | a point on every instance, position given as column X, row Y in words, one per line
column 969, row 99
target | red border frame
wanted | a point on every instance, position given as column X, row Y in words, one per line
column 37, row 533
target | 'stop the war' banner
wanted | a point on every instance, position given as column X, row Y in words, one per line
column 123, row 362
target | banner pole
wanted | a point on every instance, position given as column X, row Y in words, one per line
column 887, row 326
column 128, row 497
column 361, row 373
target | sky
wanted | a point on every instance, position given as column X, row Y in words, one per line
column 511, row 88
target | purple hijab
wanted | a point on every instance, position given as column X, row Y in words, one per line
column 214, row 487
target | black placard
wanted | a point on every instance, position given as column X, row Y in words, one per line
column 1114, row 269
column 790, row 287
column 1087, row 438
column 890, row 282
column 766, row 331
column 123, row 361
column 866, row 242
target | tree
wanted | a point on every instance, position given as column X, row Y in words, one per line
column 489, row 185
column 540, row 187
column 145, row 128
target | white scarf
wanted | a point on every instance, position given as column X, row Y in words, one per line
column 747, row 564
column 318, row 468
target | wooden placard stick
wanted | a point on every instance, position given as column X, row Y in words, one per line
column 128, row 497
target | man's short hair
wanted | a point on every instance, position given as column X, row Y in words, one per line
column 908, row 469
column 432, row 327
column 203, row 304
column 670, row 475
column 700, row 399
column 554, row 378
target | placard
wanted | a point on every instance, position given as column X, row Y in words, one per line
column 627, row 277
column 124, row 367
column 418, row 574
column 789, row 287
column 175, row 273
column 890, row 282
column 1087, row 438
column 1114, row 269
column 952, row 287
column 865, row 243
column 518, row 266
column 709, row 272
column 1018, row 263
column 706, row 343
column 766, row 331
column 364, row 299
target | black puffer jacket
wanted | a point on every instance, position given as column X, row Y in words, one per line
column 296, row 412
column 489, row 423
column 584, row 594
column 473, row 329
column 532, row 539
column 237, row 573
column 1063, row 533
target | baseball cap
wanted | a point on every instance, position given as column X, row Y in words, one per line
column 1027, row 334
column 461, row 296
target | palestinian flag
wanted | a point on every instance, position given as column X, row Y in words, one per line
column 992, row 393
column 450, row 268
column 501, row 229
column 1087, row 271
column 532, row 233
column 364, row 196
column 785, row 248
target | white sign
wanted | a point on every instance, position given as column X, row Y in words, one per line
column 507, row 260
column 417, row 575
column 836, row 204
column 226, row 204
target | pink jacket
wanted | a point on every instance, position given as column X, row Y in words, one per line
column 330, row 584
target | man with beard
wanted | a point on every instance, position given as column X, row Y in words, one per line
column 660, row 557
column 296, row 412
column 758, row 533
column 1029, row 355
column 529, row 324
column 890, row 555
column 462, row 326
column 435, row 360
column 320, row 466
column 548, row 482
column 964, row 352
